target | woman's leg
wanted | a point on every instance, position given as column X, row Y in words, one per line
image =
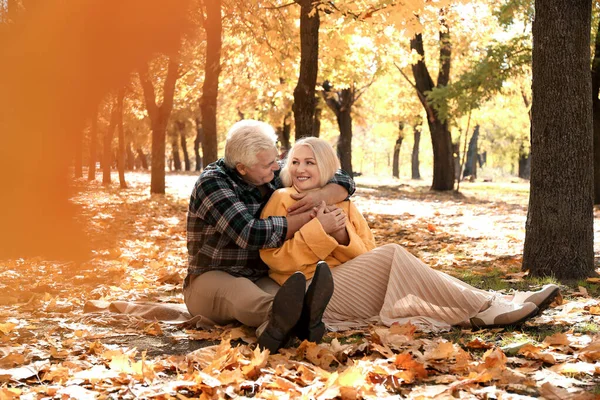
column 391, row 283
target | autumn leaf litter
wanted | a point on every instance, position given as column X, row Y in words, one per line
column 50, row 348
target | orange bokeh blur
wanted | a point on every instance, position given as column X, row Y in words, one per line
column 59, row 59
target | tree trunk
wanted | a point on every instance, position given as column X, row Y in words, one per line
column 175, row 151
column 471, row 162
column 396, row 158
column 186, row 155
column 344, row 146
column 441, row 140
column 317, row 119
column 107, row 149
column 596, row 114
column 524, row 163
column 456, row 159
column 121, row 157
column 93, row 147
column 304, row 93
column 283, row 133
column 180, row 125
column 340, row 102
column 197, row 142
column 130, row 156
column 159, row 117
column 142, row 158
column 559, row 236
column 78, row 167
column 415, row 174
column 210, row 90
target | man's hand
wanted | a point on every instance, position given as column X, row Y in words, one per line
column 332, row 221
column 306, row 201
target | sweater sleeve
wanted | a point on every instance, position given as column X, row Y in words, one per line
column 361, row 237
column 309, row 245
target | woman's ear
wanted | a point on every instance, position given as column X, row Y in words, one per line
column 241, row 168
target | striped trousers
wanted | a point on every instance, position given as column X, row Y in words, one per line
column 389, row 285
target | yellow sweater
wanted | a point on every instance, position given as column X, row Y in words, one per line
column 311, row 244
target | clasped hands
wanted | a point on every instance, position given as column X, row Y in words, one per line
column 332, row 218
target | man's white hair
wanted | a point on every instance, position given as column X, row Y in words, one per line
column 246, row 139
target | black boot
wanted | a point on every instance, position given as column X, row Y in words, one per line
column 285, row 313
column 310, row 326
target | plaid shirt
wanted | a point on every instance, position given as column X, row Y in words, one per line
column 224, row 231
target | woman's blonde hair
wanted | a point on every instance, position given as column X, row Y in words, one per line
column 245, row 139
column 325, row 157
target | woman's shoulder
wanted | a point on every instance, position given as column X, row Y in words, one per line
column 283, row 195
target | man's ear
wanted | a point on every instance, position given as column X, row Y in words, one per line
column 241, row 168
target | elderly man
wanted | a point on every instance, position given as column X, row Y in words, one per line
column 227, row 281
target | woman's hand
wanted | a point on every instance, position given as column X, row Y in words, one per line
column 306, row 201
column 331, row 221
column 341, row 236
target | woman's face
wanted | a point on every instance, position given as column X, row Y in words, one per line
column 304, row 170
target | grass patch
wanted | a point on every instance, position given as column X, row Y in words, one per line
column 490, row 281
column 593, row 289
column 588, row 328
column 539, row 332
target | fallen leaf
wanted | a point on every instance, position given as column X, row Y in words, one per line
column 551, row 392
column 558, row 339
column 536, row 353
column 7, row 327
column 406, row 361
column 316, row 354
column 478, row 343
column 12, row 360
column 442, row 350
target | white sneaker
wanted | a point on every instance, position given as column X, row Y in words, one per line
column 502, row 312
column 541, row 298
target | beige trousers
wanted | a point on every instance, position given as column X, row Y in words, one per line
column 389, row 284
column 224, row 298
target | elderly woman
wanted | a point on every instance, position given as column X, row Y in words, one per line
column 386, row 284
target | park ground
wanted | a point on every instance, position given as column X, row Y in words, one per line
column 51, row 348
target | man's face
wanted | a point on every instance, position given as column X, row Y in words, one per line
column 262, row 171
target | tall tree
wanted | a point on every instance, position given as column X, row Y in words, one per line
column 121, row 135
column 78, row 164
column 283, row 133
column 93, row 146
column 470, row 167
column 183, row 142
column 159, row 118
column 197, row 143
column 559, row 234
column 304, row 93
column 441, row 140
column 175, row 151
column 212, row 21
column 396, row 156
column 340, row 102
column 415, row 173
column 107, row 153
column 596, row 113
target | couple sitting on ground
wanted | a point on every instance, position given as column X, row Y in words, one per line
column 289, row 254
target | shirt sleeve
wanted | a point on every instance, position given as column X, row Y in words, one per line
column 309, row 245
column 216, row 201
column 361, row 237
column 342, row 178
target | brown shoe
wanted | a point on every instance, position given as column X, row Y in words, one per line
column 285, row 313
column 502, row 313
